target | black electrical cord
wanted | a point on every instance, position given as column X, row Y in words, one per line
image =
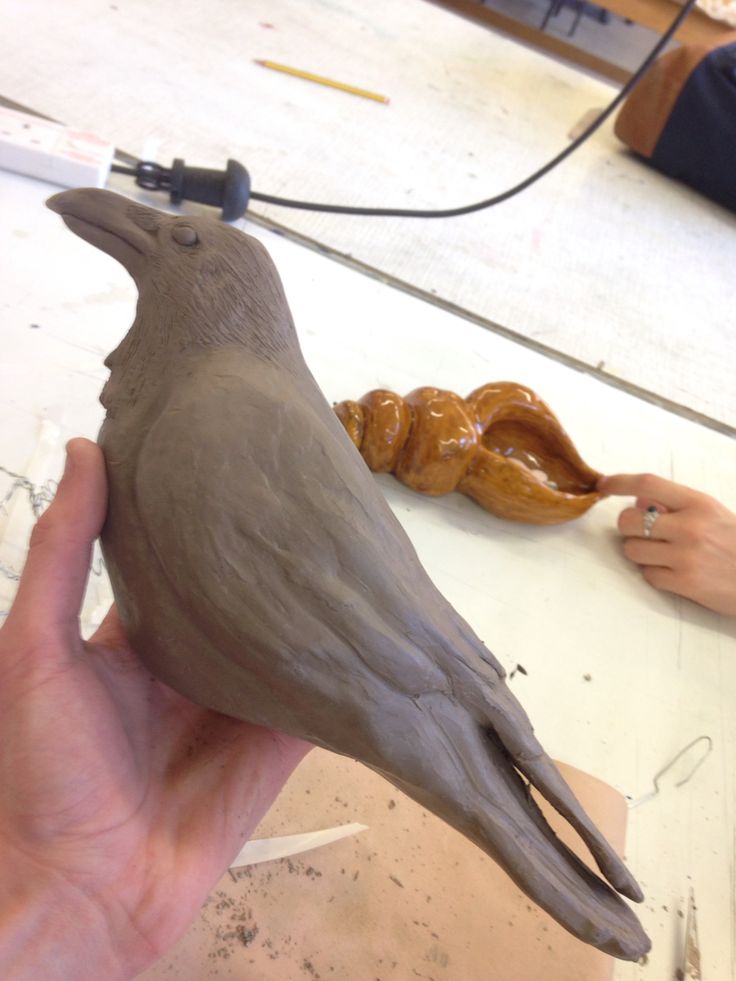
column 512, row 191
column 230, row 188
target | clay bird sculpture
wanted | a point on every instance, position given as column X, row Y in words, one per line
column 502, row 446
column 259, row 571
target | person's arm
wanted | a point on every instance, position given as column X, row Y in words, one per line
column 691, row 545
column 121, row 803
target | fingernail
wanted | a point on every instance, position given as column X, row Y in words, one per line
column 68, row 465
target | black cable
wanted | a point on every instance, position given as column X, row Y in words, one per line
column 212, row 186
column 504, row 195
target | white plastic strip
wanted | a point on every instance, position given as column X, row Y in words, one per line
column 269, row 849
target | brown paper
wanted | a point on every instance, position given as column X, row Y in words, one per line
column 409, row 898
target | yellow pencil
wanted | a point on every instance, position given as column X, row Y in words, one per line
column 364, row 93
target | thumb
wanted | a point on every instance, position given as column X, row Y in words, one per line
column 54, row 578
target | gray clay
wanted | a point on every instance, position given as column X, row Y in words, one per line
column 259, row 571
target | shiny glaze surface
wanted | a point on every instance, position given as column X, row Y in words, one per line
column 502, row 446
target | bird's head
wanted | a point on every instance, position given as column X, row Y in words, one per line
column 199, row 280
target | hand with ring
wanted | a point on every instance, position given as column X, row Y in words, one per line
column 684, row 541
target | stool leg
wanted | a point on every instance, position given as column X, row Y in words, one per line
column 552, row 11
column 580, row 9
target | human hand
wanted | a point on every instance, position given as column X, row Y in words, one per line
column 122, row 803
column 692, row 547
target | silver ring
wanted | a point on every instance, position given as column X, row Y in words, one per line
column 650, row 516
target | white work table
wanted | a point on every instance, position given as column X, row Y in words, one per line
column 604, row 261
column 561, row 601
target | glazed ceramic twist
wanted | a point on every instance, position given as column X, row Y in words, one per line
column 502, row 446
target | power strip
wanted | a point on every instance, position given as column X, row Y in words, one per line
column 51, row 152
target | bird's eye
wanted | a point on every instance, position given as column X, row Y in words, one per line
column 184, row 235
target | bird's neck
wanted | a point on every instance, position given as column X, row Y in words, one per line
column 148, row 351
column 141, row 355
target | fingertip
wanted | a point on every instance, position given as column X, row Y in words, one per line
column 616, row 484
column 85, row 479
column 83, row 451
column 78, row 444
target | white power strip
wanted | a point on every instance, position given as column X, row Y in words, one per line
column 51, row 152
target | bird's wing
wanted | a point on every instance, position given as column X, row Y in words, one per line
column 264, row 526
column 286, row 556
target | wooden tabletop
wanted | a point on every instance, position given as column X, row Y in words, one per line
column 698, row 27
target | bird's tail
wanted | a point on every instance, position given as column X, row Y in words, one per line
column 478, row 788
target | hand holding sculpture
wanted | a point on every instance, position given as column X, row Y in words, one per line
column 122, row 802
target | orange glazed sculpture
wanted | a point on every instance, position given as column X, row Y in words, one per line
column 501, row 445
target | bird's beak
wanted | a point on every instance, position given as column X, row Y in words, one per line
column 106, row 221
